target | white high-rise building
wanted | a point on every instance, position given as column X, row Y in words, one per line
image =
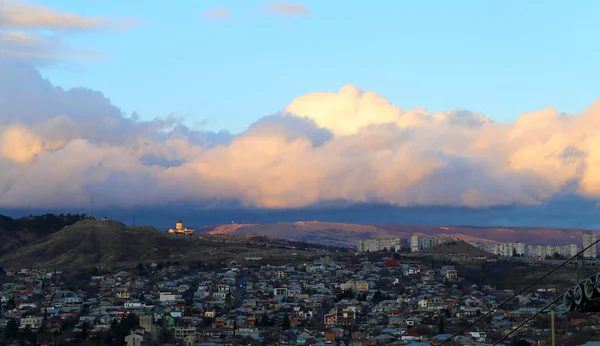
column 414, row 243
column 589, row 238
column 418, row 243
column 374, row 245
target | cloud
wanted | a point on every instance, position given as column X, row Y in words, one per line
column 40, row 48
column 28, row 16
column 35, row 33
column 352, row 146
column 219, row 13
column 286, row 9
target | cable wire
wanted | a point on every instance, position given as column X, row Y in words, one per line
column 529, row 319
column 519, row 293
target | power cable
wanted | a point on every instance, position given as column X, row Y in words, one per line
column 529, row 319
column 519, row 293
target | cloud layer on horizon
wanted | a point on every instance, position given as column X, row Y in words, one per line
column 57, row 147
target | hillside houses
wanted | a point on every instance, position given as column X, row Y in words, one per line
column 364, row 300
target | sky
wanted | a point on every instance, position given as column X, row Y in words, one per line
column 280, row 105
column 499, row 58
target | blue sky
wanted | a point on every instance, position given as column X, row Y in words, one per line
column 500, row 58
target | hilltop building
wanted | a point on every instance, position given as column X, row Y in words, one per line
column 179, row 229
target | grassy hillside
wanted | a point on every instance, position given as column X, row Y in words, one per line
column 91, row 242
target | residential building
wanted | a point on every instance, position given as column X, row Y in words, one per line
column 589, row 238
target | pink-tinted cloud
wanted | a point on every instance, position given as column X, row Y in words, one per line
column 58, row 146
column 219, row 13
column 35, row 33
column 22, row 15
column 38, row 47
column 286, row 9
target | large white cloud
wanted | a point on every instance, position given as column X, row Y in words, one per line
column 57, row 147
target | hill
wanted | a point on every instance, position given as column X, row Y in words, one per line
column 342, row 234
column 15, row 233
column 91, row 242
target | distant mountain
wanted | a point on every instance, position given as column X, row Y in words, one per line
column 18, row 232
column 328, row 233
column 331, row 233
column 526, row 235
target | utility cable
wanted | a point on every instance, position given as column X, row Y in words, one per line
column 519, row 293
column 529, row 319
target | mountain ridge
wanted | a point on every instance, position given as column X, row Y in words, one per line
column 336, row 233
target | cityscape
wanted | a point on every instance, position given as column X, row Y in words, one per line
column 256, row 290
column 417, row 243
column 299, row 172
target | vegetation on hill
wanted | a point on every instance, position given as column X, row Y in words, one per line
column 15, row 233
column 456, row 247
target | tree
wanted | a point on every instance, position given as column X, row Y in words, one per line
column 346, row 294
column 123, row 328
column 160, row 266
column 85, row 310
column 286, row 324
column 141, row 297
column 377, row 297
column 520, row 343
column 11, row 304
column 264, row 321
column 441, row 326
column 28, row 335
column 12, row 330
column 514, row 254
column 84, row 331
column 140, row 268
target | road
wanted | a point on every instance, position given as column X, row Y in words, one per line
column 240, row 290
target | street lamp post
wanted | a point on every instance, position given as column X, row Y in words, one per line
column 579, row 266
